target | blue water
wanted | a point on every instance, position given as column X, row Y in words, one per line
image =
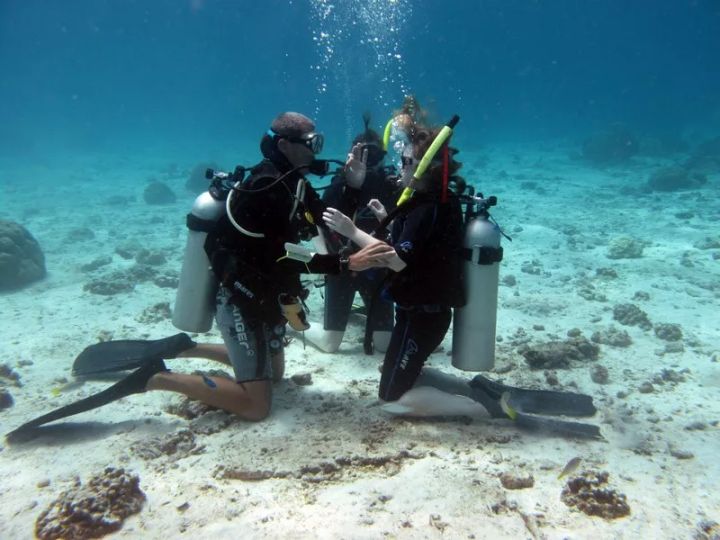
column 102, row 75
column 98, row 98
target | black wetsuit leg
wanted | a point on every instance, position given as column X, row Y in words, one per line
column 379, row 309
column 417, row 333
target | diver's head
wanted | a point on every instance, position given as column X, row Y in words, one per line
column 404, row 122
column 410, row 115
column 431, row 181
column 291, row 141
column 370, row 141
column 402, row 127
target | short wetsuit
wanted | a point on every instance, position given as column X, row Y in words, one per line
column 250, row 341
column 253, row 271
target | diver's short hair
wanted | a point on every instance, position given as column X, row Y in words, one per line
column 292, row 124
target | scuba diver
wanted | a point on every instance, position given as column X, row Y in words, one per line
column 239, row 231
column 247, row 235
column 363, row 178
column 426, row 284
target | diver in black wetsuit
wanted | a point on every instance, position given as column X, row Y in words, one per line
column 259, row 289
column 426, row 234
column 365, row 177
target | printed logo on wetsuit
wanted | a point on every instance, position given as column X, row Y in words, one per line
column 410, row 349
column 240, row 334
column 243, row 289
column 406, row 246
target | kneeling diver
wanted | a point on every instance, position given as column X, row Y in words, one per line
column 426, row 232
column 426, row 242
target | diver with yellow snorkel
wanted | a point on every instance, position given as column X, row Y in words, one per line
column 364, row 178
column 426, row 256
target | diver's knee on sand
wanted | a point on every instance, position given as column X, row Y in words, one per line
column 326, row 340
column 381, row 340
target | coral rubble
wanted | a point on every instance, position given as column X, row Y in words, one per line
column 590, row 494
column 98, row 508
column 559, row 354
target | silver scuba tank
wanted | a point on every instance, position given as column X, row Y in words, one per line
column 473, row 347
column 195, row 297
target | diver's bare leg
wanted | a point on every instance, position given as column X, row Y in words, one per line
column 210, row 351
column 248, row 400
column 219, row 353
column 381, row 340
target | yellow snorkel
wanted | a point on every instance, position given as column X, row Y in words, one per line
column 386, row 134
column 441, row 139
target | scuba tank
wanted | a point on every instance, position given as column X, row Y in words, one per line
column 474, row 324
column 195, row 297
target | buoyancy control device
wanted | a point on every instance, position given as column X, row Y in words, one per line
column 195, row 297
column 474, row 324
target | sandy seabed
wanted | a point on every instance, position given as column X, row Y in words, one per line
column 329, row 463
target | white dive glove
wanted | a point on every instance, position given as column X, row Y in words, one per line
column 377, row 208
column 356, row 166
column 339, row 222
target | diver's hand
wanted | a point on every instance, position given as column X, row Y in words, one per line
column 339, row 222
column 377, row 255
column 377, row 208
column 356, row 166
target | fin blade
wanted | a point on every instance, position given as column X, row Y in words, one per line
column 134, row 383
column 126, row 354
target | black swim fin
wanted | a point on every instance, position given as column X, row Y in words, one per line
column 126, row 354
column 557, row 427
column 134, row 383
column 548, row 402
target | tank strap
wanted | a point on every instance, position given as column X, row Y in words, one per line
column 485, row 255
column 195, row 223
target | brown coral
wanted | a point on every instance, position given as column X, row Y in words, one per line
column 590, row 494
column 21, row 258
column 98, row 508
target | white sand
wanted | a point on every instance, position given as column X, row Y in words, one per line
column 426, row 479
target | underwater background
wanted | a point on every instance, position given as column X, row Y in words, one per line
column 596, row 123
column 167, row 75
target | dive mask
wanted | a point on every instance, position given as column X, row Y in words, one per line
column 409, row 165
column 375, row 154
column 398, row 140
column 313, row 140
